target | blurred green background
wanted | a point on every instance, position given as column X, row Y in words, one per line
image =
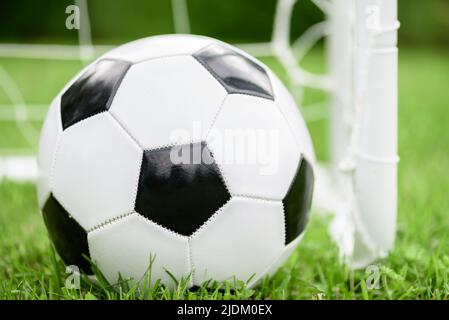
column 425, row 22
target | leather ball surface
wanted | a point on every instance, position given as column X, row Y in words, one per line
column 136, row 161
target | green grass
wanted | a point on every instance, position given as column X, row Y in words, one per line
column 417, row 268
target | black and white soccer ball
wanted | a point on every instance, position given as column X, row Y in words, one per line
column 133, row 164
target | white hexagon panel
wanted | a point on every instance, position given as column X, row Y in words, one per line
column 167, row 100
column 96, row 171
column 290, row 111
column 50, row 135
column 158, row 46
column 128, row 244
column 242, row 240
column 254, row 147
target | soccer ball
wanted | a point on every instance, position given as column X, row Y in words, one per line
column 178, row 149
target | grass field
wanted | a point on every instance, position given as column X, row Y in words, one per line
column 418, row 267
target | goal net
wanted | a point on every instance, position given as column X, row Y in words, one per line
column 356, row 98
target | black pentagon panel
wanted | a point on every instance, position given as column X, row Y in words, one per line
column 68, row 237
column 235, row 72
column 298, row 201
column 92, row 92
column 180, row 187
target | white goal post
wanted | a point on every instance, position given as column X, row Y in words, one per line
column 364, row 126
column 358, row 185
